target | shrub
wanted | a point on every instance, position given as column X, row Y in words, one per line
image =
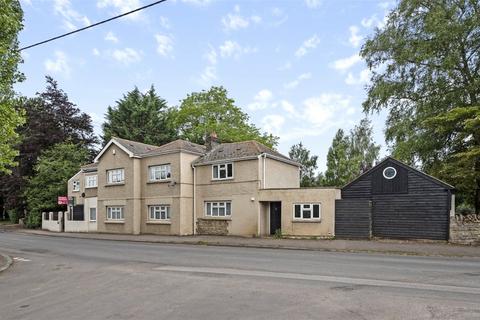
column 464, row 209
column 278, row 234
column 34, row 220
column 13, row 216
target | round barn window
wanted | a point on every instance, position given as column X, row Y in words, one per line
column 389, row 172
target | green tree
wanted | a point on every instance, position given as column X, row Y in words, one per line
column 351, row 155
column 202, row 113
column 11, row 19
column 338, row 167
column 142, row 117
column 301, row 154
column 55, row 166
column 50, row 119
column 425, row 67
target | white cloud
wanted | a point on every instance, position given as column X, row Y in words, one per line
column 164, row 45
column 110, row 36
column 262, row 100
column 288, row 107
column 293, row 84
column 319, row 111
column 126, row 56
column 280, row 16
column 209, row 75
column 363, row 78
column 122, row 6
column 307, row 45
column 232, row 49
column 59, row 65
column 235, row 21
column 165, row 23
column 211, row 56
column 273, row 123
column 95, row 52
column 70, row 16
column 346, row 63
column 355, row 39
column 313, row 4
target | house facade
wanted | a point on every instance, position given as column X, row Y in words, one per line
column 182, row 188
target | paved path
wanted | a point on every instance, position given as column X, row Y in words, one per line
column 384, row 246
column 69, row 278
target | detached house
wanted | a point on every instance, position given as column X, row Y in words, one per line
column 183, row 188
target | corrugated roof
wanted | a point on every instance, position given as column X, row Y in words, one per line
column 239, row 150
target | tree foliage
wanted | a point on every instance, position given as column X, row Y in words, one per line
column 425, row 67
column 55, row 166
column 11, row 19
column 50, row 119
column 202, row 113
column 142, row 117
column 308, row 176
column 351, row 155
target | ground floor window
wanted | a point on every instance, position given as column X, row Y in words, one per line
column 115, row 213
column 159, row 212
column 306, row 211
column 93, row 214
column 218, row 209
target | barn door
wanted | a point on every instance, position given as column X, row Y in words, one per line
column 353, row 218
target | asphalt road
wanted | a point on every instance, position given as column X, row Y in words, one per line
column 62, row 278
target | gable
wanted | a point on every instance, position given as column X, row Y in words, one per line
column 110, row 146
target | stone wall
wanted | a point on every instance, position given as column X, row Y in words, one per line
column 212, row 227
column 465, row 229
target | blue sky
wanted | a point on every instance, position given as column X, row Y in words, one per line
column 292, row 65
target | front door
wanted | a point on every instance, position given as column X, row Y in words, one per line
column 275, row 217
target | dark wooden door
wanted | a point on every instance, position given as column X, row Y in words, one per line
column 275, row 217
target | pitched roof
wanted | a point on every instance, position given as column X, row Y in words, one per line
column 89, row 167
column 406, row 166
column 177, row 145
column 134, row 147
column 241, row 150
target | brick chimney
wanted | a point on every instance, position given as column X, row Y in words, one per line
column 211, row 141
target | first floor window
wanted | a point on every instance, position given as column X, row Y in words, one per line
column 218, row 209
column 157, row 173
column 91, row 181
column 306, row 211
column 76, row 185
column 115, row 176
column 115, row 213
column 159, row 212
column 93, row 214
column 222, row 171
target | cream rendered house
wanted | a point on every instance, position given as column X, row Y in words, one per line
column 182, row 188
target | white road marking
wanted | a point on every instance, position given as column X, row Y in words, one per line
column 21, row 259
column 313, row 277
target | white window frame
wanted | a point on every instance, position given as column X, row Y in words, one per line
column 159, row 212
column 218, row 168
column 76, row 185
column 115, row 213
column 307, row 207
column 214, row 209
column 90, row 214
column 394, row 173
column 160, row 172
column 91, row 181
column 115, row 176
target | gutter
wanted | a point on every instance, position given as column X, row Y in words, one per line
column 194, row 202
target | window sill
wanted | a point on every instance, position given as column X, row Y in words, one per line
column 159, row 181
column 307, row 221
column 159, row 222
column 218, row 218
column 90, row 187
column 115, row 184
column 115, row 222
column 93, row 221
column 75, row 190
column 226, row 179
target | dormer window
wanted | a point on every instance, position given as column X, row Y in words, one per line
column 222, row 171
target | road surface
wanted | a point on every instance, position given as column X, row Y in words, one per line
column 64, row 278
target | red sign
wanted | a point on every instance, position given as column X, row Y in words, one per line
column 62, row 200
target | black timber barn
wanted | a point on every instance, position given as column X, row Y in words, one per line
column 394, row 200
